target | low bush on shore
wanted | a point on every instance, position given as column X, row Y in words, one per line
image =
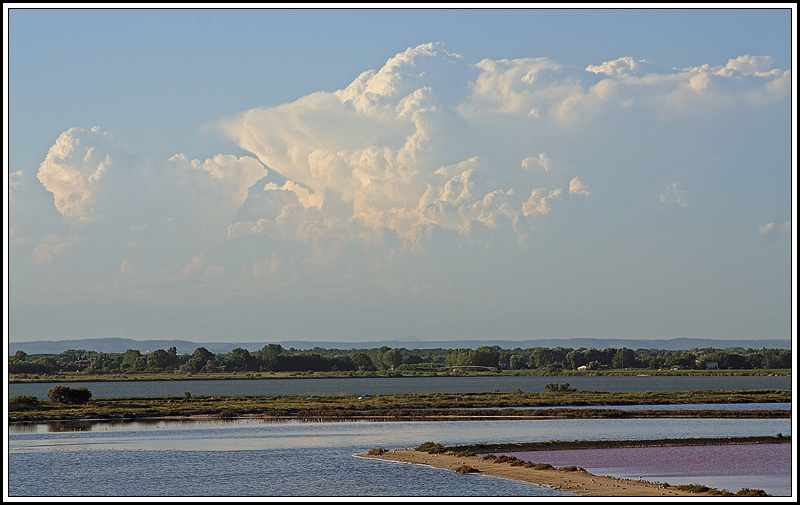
column 466, row 469
column 22, row 402
column 699, row 488
column 376, row 451
column 67, row 395
column 515, row 461
column 431, row 448
column 693, row 488
column 504, row 459
column 751, row 492
column 462, row 454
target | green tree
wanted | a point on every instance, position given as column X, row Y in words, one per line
column 574, row 359
column 624, row 358
column 240, row 360
column 268, row 356
column 46, row 364
column 543, row 357
column 482, row 356
column 132, row 361
column 392, row 358
column 685, row 359
column 412, row 359
column 271, row 350
column 160, row 360
column 202, row 360
column 738, row 361
column 654, row 363
column 362, row 361
column 459, row 357
column 516, row 362
column 486, row 356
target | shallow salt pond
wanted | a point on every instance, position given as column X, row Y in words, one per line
column 731, row 467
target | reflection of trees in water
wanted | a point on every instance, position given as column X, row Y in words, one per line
column 61, row 426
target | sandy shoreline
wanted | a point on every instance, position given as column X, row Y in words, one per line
column 578, row 482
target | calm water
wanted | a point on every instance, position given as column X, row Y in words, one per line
column 731, row 467
column 405, row 385
column 261, row 458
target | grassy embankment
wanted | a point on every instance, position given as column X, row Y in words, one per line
column 172, row 376
column 406, row 406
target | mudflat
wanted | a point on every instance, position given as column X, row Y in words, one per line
column 579, row 482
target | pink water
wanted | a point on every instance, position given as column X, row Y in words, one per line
column 731, row 467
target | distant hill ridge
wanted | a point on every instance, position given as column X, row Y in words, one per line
column 118, row 345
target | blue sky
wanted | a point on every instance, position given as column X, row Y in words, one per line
column 368, row 174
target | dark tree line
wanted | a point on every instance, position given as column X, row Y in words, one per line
column 623, row 358
column 273, row 357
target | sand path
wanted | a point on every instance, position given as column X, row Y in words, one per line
column 579, row 482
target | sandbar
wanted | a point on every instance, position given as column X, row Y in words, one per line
column 579, row 482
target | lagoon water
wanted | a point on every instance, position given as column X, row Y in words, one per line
column 267, row 458
column 296, row 459
column 480, row 384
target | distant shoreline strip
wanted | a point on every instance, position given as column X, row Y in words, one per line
column 555, row 445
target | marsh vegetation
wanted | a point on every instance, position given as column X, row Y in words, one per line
column 516, row 404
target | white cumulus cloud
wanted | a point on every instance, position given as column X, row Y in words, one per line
column 428, row 147
column 774, row 227
column 402, row 147
column 674, row 195
column 53, row 246
column 429, row 140
column 76, row 170
column 576, row 187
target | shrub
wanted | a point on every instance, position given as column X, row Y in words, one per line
column 21, row 402
column 554, row 387
column 717, row 492
column 68, row 395
column 542, row 466
column 431, row 448
column 376, row 451
column 504, row 459
column 751, row 492
column 466, row 469
column 693, row 488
